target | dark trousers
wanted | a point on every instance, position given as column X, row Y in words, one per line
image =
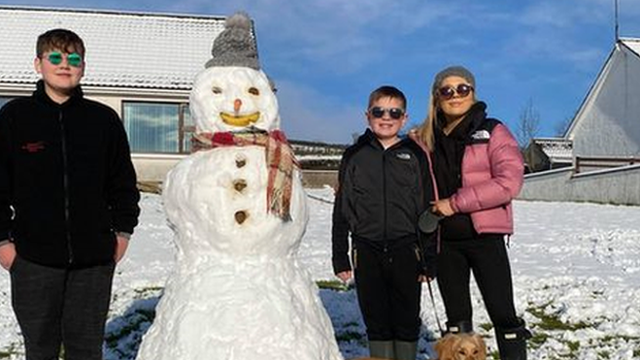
column 486, row 256
column 388, row 291
column 57, row 307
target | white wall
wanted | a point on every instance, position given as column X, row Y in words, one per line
column 613, row 186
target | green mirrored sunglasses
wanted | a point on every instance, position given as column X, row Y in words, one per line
column 73, row 59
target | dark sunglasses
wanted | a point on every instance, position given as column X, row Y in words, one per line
column 394, row 113
column 448, row 92
column 73, row 59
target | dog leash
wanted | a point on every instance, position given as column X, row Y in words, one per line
column 435, row 311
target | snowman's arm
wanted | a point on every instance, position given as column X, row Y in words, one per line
column 172, row 195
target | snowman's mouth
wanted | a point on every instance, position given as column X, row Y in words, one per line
column 243, row 120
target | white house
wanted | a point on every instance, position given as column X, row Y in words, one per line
column 608, row 121
column 140, row 64
column 605, row 139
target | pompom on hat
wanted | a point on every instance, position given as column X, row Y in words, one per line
column 235, row 45
column 456, row 70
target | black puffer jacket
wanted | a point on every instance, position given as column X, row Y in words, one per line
column 381, row 194
column 67, row 183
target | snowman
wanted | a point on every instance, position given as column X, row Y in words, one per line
column 239, row 212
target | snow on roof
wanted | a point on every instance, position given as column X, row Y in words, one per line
column 633, row 44
column 124, row 49
column 557, row 149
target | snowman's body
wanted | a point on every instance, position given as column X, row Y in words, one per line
column 238, row 292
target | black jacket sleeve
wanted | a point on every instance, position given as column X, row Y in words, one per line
column 123, row 195
column 6, row 213
column 429, row 246
column 340, row 225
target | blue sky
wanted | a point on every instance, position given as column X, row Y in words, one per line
column 327, row 55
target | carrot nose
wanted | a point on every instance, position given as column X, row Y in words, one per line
column 236, row 105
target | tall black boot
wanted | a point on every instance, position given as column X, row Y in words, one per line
column 512, row 343
column 460, row 327
column 405, row 350
column 382, row 349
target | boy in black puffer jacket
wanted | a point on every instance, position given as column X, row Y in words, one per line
column 384, row 186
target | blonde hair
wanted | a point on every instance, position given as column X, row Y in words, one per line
column 426, row 130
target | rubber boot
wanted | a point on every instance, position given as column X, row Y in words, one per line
column 382, row 349
column 405, row 350
column 460, row 327
column 512, row 343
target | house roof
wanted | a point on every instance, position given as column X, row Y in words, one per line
column 633, row 44
column 558, row 150
column 124, row 49
column 630, row 45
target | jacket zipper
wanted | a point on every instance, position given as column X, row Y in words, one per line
column 65, row 178
column 384, row 194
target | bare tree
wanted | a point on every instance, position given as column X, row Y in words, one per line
column 528, row 125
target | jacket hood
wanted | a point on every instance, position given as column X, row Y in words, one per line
column 474, row 118
column 369, row 138
column 477, row 115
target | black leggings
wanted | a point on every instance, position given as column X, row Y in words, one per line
column 388, row 291
column 486, row 256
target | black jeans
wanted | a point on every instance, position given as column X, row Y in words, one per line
column 388, row 291
column 485, row 256
column 57, row 307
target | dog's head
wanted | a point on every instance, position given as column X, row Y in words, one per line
column 461, row 347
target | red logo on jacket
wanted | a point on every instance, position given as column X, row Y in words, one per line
column 33, row 147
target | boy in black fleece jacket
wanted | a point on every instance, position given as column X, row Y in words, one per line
column 384, row 186
column 68, row 204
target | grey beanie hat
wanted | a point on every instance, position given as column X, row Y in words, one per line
column 235, row 45
column 456, row 70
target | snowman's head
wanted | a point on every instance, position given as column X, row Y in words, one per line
column 233, row 98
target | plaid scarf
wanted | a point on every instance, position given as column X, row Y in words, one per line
column 279, row 156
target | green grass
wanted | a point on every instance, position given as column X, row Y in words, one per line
column 553, row 322
column 11, row 350
column 350, row 335
column 135, row 319
column 336, row 285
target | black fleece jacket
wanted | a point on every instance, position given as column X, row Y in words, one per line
column 380, row 196
column 67, row 184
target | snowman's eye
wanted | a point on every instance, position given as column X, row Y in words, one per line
column 254, row 91
column 216, row 90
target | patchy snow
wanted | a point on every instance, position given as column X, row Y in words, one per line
column 576, row 269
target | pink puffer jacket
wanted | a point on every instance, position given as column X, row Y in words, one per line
column 492, row 175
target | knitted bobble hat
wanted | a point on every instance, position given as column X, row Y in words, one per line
column 453, row 71
column 235, row 45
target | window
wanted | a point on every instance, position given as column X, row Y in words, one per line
column 158, row 127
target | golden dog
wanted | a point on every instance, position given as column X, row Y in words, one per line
column 461, row 347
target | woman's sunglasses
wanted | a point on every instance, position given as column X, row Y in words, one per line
column 448, row 92
column 73, row 59
column 394, row 113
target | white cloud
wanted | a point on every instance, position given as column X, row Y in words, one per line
column 334, row 35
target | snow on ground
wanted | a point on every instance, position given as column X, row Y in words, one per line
column 576, row 270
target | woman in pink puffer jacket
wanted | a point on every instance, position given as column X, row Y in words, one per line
column 479, row 170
